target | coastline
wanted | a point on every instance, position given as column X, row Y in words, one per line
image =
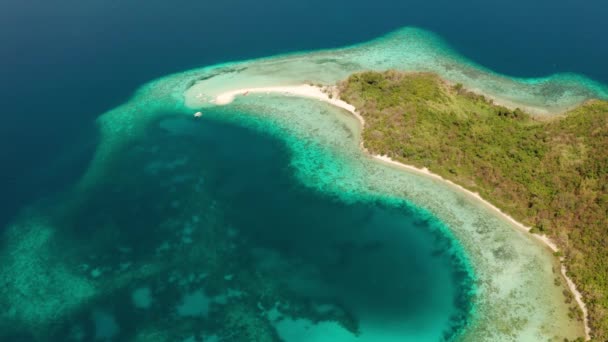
column 329, row 94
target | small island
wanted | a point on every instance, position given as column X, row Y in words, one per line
column 550, row 173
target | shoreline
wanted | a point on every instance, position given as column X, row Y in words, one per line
column 321, row 94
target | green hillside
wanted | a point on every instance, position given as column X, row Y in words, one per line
column 549, row 173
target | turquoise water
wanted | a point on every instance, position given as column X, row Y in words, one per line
column 264, row 220
column 201, row 220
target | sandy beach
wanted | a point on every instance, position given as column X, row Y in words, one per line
column 330, row 94
column 303, row 90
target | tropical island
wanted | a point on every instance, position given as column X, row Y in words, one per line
column 549, row 173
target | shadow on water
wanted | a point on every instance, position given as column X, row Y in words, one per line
column 206, row 218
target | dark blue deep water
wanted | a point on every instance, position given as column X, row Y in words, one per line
column 63, row 63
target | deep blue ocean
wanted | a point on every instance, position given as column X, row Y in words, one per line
column 63, row 63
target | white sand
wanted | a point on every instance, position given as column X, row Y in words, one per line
column 303, row 90
column 322, row 94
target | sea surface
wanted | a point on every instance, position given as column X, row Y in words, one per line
column 66, row 62
column 251, row 223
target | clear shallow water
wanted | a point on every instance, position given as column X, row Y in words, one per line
column 201, row 228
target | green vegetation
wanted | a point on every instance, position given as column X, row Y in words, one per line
column 550, row 174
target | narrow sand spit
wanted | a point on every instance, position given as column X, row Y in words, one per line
column 303, row 90
column 330, row 95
